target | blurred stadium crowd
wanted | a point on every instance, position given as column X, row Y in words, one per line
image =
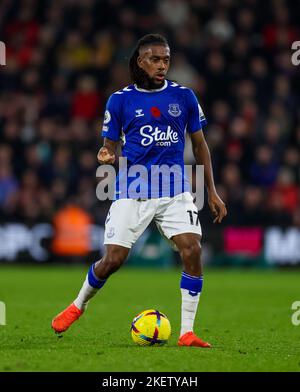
column 65, row 57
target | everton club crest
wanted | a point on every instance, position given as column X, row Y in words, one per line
column 174, row 110
column 111, row 232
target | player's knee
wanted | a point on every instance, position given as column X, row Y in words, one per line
column 113, row 263
column 114, row 260
column 191, row 258
column 192, row 251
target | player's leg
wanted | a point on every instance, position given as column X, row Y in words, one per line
column 114, row 257
column 189, row 248
column 126, row 221
column 178, row 220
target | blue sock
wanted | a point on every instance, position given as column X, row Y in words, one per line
column 190, row 287
column 90, row 287
column 191, row 283
column 94, row 281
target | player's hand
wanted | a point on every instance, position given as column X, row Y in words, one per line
column 217, row 207
column 106, row 156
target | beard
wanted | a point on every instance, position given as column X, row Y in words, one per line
column 144, row 81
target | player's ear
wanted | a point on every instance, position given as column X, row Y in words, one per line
column 139, row 61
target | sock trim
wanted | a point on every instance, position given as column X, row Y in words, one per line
column 94, row 281
column 191, row 277
column 192, row 284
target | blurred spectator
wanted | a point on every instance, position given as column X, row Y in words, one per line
column 74, row 54
column 104, row 50
column 231, row 178
column 216, row 77
column 252, row 212
column 220, row 27
column 182, row 72
column 8, row 185
column 291, row 160
column 71, row 234
column 57, row 102
column 174, row 12
column 86, row 102
column 285, row 192
column 264, row 169
column 280, row 32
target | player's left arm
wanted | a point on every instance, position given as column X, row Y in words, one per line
column 202, row 157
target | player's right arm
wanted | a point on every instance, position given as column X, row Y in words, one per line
column 107, row 153
column 111, row 130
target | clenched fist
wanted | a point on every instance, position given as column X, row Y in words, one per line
column 105, row 156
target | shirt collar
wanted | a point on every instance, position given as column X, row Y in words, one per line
column 151, row 91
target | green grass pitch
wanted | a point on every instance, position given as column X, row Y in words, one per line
column 245, row 314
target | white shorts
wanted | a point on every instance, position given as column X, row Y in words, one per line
column 127, row 219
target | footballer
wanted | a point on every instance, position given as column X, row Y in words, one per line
column 150, row 117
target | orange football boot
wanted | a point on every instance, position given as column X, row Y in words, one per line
column 66, row 318
column 190, row 339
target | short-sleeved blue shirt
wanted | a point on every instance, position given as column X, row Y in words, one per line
column 152, row 125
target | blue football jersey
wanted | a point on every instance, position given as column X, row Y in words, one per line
column 152, row 125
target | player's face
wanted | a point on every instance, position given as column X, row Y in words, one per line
column 155, row 61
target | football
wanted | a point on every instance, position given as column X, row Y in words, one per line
column 150, row 328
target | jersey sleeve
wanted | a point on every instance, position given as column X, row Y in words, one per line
column 196, row 118
column 112, row 125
